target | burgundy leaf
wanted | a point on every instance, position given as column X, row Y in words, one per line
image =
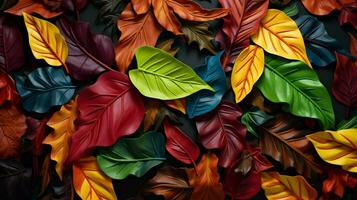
column 7, row 89
column 344, row 81
column 179, row 145
column 88, row 54
column 222, row 130
column 348, row 15
column 109, row 109
column 11, row 52
column 243, row 21
column 239, row 186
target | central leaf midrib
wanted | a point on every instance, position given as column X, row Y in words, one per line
column 296, row 88
column 166, row 77
column 134, row 160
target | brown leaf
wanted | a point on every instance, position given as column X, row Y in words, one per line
column 205, row 181
column 151, row 111
column 283, row 138
column 30, row 7
column 167, row 46
column 45, row 174
column 171, row 183
column 199, row 33
column 12, row 127
column 136, row 31
column 353, row 41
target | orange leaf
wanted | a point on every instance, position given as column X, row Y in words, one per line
column 277, row 187
column 12, row 127
column 30, row 7
column 177, row 104
column 336, row 182
column 136, row 31
column 205, row 182
column 321, row 7
column 353, row 41
column 90, row 182
column 63, row 124
column 151, row 110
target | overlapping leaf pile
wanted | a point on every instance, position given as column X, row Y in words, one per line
column 82, row 117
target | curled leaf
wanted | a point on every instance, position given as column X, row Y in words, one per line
column 31, row 7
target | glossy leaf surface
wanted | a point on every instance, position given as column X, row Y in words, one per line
column 255, row 118
column 133, row 156
column 205, row 101
column 103, row 118
column 161, row 76
column 279, row 35
column 298, row 86
column 31, row 7
column 337, row 147
column 8, row 91
column 321, row 7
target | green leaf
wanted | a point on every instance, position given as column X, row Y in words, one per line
column 161, row 76
column 134, row 156
column 254, row 118
column 297, row 85
column 347, row 124
column 198, row 32
column 291, row 9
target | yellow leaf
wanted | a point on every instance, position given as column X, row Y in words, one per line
column 337, row 147
column 247, row 69
column 90, row 182
column 63, row 124
column 46, row 41
column 277, row 187
column 278, row 34
column 177, row 104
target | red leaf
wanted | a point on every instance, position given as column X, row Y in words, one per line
column 108, row 110
column 179, row 145
column 259, row 163
column 243, row 21
column 344, row 81
column 349, row 15
column 238, row 186
column 222, row 130
column 336, row 182
column 7, row 89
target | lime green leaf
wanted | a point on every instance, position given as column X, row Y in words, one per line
column 297, row 85
column 161, row 76
column 134, row 156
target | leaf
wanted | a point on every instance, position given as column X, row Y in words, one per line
column 353, row 41
column 137, row 31
column 167, row 46
column 279, row 35
column 336, row 182
column 11, row 48
column 337, row 147
column 299, row 87
column 344, row 85
column 198, row 32
column 31, row 7
column 239, row 186
column 348, row 15
column 103, row 118
column 12, row 127
column 171, row 183
column 46, row 41
column 177, row 104
column 205, row 182
column 346, row 124
column 321, row 7
column 15, row 180
column 247, row 69
column 88, row 54
column 151, row 112
column 161, row 76
column 205, row 101
column 45, row 174
column 7, row 89
column 320, row 46
column 132, row 156
column 6, row 4
column 165, row 11
column 283, row 139
column 63, row 124
column 280, row 3
column 242, row 22
column 221, row 130
column 43, row 88
column 254, row 118
column 180, row 145
column 278, row 186
column 89, row 182
column 291, row 9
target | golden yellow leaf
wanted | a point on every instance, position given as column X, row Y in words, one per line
column 46, row 41
column 90, row 182
column 63, row 124
column 277, row 187
column 247, row 69
column 278, row 34
column 337, row 147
